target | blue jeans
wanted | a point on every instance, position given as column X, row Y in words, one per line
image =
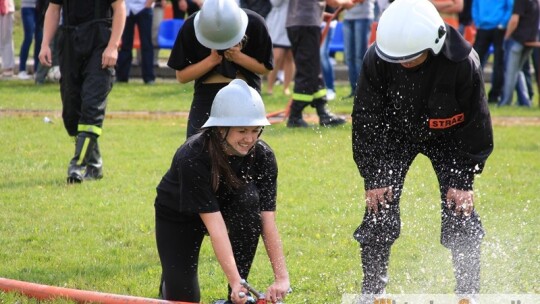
column 515, row 55
column 326, row 65
column 143, row 20
column 28, row 16
column 355, row 35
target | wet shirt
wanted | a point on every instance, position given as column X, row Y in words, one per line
column 188, row 50
column 186, row 187
column 440, row 103
column 81, row 11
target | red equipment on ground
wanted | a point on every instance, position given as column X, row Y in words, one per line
column 47, row 292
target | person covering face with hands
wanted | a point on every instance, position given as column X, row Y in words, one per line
column 219, row 43
column 420, row 91
column 222, row 182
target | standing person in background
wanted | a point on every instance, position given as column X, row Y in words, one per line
column 357, row 22
column 219, row 43
column 261, row 7
column 283, row 58
column 7, row 52
column 381, row 6
column 157, row 18
column 420, row 91
column 139, row 12
column 465, row 17
column 449, row 10
column 28, row 17
column 185, row 8
column 326, row 64
column 490, row 19
column 88, row 48
column 522, row 28
column 304, row 19
column 222, row 182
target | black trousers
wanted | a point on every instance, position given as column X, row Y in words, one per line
column 484, row 39
column 462, row 235
column 305, row 43
column 203, row 98
column 179, row 242
column 84, row 85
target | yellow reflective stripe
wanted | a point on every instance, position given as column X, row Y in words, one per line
column 90, row 129
column 83, row 151
column 319, row 94
column 309, row 98
column 302, row 97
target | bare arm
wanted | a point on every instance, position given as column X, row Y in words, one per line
column 272, row 242
column 196, row 70
column 52, row 18
column 222, row 248
column 448, row 6
column 344, row 3
column 512, row 25
column 235, row 55
column 110, row 54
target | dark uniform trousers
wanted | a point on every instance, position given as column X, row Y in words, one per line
column 462, row 235
column 305, row 43
column 84, row 85
column 179, row 242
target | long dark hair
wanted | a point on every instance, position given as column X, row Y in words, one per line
column 220, row 167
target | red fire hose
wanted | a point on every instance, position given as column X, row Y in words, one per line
column 47, row 292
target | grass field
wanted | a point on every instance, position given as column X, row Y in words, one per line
column 100, row 235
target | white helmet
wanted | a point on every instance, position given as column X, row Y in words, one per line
column 220, row 24
column 407, row 28
column 237, row 105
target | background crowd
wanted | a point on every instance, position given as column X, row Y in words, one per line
column 502, row 33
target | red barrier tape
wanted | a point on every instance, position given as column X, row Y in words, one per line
column 46, row 292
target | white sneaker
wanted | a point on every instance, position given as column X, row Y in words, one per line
column 330, row 94
column 23, row 75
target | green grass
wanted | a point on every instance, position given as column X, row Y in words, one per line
column 100, row 235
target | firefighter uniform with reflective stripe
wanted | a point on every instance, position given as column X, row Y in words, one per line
column 303, row 28
column 438, row 109
column 84, row 85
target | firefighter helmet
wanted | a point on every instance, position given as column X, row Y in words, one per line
column 237, row 105
column 220, row 24
column 407, row 28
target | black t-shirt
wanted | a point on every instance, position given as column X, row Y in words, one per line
column 527, row 29
column 76, row 12
column 187, row 50
column 186, row 187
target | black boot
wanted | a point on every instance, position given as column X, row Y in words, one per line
column 326, row 118
column 295, row 116
column 94, row 164
column 84, row 143
column 375, row 267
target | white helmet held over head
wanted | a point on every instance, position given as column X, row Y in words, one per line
column 407, row 28
column 237, row 105
column 220, row 24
